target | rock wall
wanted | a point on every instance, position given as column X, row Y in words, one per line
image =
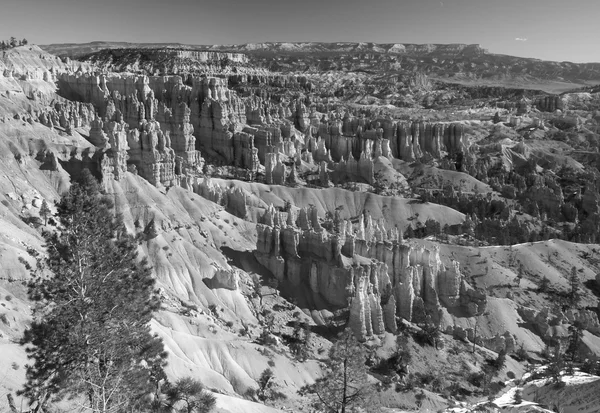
column 345, row 137
column 549, row 103
column 233, row 199
column 365, row 268
column 195, row 113
column 153, row 134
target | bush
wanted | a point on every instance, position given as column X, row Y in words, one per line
column 425, row 379
column 518, row 397
column 499, row 362
column 250, row 393
column 476, row 379
column 266, row 339
column 32, row 221
column 521, row 354
column 438, row 384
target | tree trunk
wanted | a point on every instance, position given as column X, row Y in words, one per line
column 345, row 386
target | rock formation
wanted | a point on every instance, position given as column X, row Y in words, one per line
column 203, row 113
column 233, row 199
column 365, row 267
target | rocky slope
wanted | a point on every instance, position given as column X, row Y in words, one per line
column 274, row 204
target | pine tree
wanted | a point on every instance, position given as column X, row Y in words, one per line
column 187, row 395
column 90, row 339
column 574, row 296
column 45, row 211
column 556, row 363
column 345, row 386
column 518, row 397
column 13, row 42
column 572, row 354
column 496, row 118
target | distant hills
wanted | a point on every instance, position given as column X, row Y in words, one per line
column 463, row 64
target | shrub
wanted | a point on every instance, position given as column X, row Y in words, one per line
column 266, row 339
column 518, row 397
column 521, row 354
column 32, row 221
column 250, row 393
column 476, row 379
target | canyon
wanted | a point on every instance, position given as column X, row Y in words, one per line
column 275, row 198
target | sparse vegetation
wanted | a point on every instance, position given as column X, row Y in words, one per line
column 12, row 43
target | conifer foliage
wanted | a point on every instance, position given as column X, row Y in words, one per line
column 90, row 340
column 345, row 387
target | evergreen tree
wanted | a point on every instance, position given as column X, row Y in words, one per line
column 345, row 386
column 410, row 232
column 90, row 339
column 13, row 42
column 265, row 382
column 496, row 118
column 24, row 42
column 572, row 354
column 556, row 363
column 187, row 395
column 574, row 294
column 518, row 397
column 45, row 211
column 544, row 284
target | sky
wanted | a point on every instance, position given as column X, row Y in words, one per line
column 560, row 30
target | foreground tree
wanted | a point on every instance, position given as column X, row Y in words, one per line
column 345, row 386
column 90, row 340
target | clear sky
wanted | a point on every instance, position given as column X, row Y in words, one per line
column 546, row 29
